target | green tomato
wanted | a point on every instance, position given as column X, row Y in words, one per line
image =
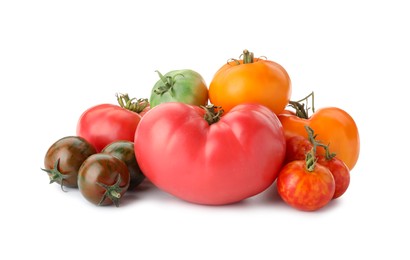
column 186, row 86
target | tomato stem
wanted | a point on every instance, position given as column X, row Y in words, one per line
column 168, row 84
column 311, row 160
column 55, row 175
column 133, row 104
column 302, row 109
column 312, row 139
column 247, row 56
column 212, row 113
column 112, row 192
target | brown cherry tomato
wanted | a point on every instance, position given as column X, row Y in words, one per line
column 103, row 179
column 124, row 150
column 64, row 158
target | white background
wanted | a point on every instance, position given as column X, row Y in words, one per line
column 58, row 58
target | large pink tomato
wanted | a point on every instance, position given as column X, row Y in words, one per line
column 198, row 156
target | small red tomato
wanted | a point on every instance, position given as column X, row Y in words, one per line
column 106, row 123
column 296, row 148
column 340, row 173
column 103, row 179
column 306, row 185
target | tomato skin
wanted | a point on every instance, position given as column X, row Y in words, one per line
column 340, row 173
column 225, row 162
column 333, row 126
column 264, row 82
column 70, row 152
column 296, row 148
column 104, row 169
column 189, row 87
column 106, row 123
column 305, row 190
column 124, row 150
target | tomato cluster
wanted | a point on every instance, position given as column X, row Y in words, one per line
column 213, row 146
column 102, row 177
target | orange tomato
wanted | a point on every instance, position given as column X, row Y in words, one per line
column 333, row 126
column 251, row 80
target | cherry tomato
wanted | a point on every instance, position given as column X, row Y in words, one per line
column 296, row 148
column 251, row 80
column 64, row 158
column 106, row 123
column 124, row 150
column 305, row 185
column 333, row 126
column 201, row 157
column 185, row 86
column 340, row 173
column 103, row 179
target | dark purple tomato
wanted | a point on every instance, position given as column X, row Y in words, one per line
column 103, row 179
column 64, row 158
column 124, row 150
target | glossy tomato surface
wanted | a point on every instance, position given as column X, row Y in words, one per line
column 305, row 190
column 230, row 160
column 186, row 86
column 255, row 81
column 106, row 123
column 64, row 157
column 340, row 173
column 333, row 126
column 103, row 179
column 296, row 148
column 124, row 150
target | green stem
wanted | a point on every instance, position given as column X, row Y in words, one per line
column 112, row 192
column 247, row 57
column 302, row 109
column 312, row 139
column 55, row 175
column 168, row 83
column 311, row 160
column 133, row 104
column 212, row 113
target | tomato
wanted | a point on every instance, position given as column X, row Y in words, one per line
column 198, row 156
column 103, row 179
column 106, row 123
column 185, row 86
column 124, row 150
column 333, row 126
column 297, row 147
column 64, row 158
column 340, row 173
column 251, row 80
column 305, row 185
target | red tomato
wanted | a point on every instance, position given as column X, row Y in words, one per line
column 304, row 188
column 210, row 163
column 296, row 148
column 107, row 123
column 340, row 173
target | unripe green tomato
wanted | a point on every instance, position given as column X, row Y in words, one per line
column 186, row 86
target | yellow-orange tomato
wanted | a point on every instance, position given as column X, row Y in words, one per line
column 333, row 126
column 251, row 80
